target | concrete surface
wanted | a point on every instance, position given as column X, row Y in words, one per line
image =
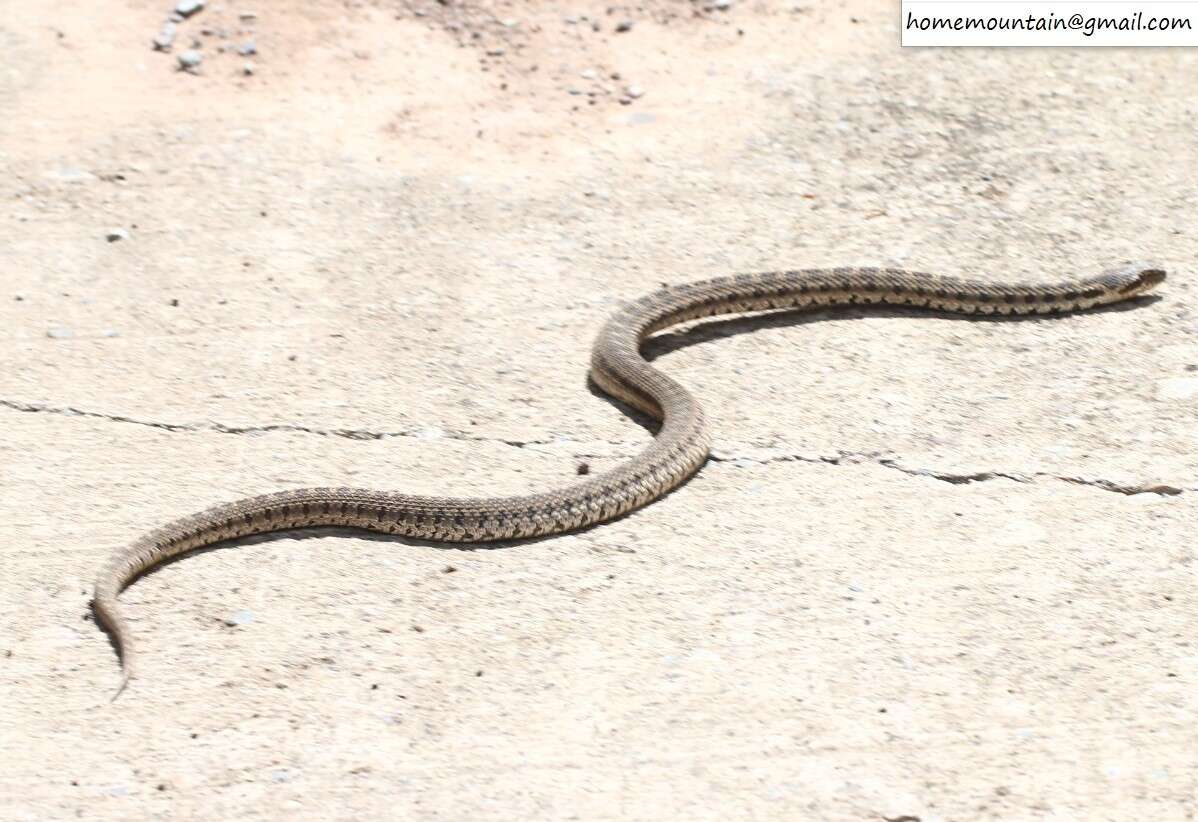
column 938, row 569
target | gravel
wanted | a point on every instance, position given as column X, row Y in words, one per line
column 1178, row 388
column 164, row 38
column 239, row 618
column 187, row 8
column 190, row 60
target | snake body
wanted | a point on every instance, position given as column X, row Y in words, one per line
column 679, row 448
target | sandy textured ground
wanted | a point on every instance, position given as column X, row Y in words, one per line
column 938, row 570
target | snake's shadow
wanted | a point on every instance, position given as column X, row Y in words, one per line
column 666, row 342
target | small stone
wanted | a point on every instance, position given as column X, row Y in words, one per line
column 248, row 16
column 495, row 52
column 634, row 92
column 722, row 5
column 570, row 20
column 60, row 333
column 116, row 234
column 247, row 49
column 69, row 175
column 187, row 8
column 623, row 26
column 162, row 41
column 112, row 332
column 1178, row 388
column 239, row 618
column 588, row 74
column 190, row 60
column 247, row 69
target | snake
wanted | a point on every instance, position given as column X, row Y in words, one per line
column 678, row 449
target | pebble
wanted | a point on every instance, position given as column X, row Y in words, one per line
column 1179, row 388
column 188, row 7
column 190, row 60
column 588, row 74
column 722, row 5
column 248, row 16
column 69, row 175
column 247, row 49
column 164, row 38
column 116, row 234
column 239, row 618
column 634, row 92
column 247, row 69
column 623, row 26
column 60, row 333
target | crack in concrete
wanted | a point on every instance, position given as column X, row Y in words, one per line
column 221, row 428
column 841, row 457
column 858, row 457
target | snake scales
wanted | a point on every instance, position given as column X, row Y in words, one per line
column 678, row 450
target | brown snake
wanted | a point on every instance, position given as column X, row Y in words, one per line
column 678, row 450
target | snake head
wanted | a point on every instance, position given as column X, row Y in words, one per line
column 1129, row 280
